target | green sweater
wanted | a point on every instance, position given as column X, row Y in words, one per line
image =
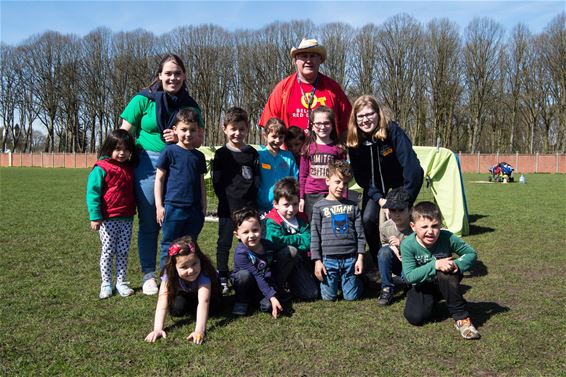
column 419, row 262
column 276, row 233
column 140, row 113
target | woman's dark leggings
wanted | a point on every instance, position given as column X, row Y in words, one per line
column 370, row 221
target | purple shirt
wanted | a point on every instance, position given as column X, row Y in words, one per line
column 190, row 286
column 313, row 169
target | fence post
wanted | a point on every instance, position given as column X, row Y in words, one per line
column 42, row 160
column 31, row 156
column 536, row 163
column 52, row 159
column 517, row 161
column 478, row 164
column 86, row 161
column 74, row 159
column 497, row 157
column 557, row 163
column 21, row 159
column 10, row 159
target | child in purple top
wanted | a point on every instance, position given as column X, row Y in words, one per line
column 320, row 148
column 188, row 283
column 254, row 267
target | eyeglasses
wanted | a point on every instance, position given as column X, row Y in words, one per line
column 321, row 124
column 361, row 117
column 305, row 57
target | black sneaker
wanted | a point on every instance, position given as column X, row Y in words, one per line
column 386, row 296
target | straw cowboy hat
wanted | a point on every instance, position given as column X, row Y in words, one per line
column 309, row 45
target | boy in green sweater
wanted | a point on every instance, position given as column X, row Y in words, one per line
column 290, row 233
column 428, row 265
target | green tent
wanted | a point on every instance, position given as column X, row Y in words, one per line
column 443, row 178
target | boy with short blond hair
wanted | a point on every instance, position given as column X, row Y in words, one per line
column 274, row 162
column 337, row 237
column 235, row 178
column 290, row 233
column 428, row 265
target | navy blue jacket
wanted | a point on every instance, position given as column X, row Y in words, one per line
column 395, row 156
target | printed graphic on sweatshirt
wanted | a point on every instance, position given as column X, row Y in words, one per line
column 247, row 173
column 319, row 164
column 339, row 217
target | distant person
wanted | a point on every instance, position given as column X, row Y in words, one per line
column 294, row 141
column 321, row 147
column 337, row 238
column 111, row 207
column 235, row 178
column 382, row 159
column 429, row 266
column 180, row 194
column 189, row 286
column 290, row 233
column 149, row 116
column 254, row 264
column 392, row 232
column 274, row 163
column 294, row 97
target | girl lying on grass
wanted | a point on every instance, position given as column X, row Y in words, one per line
column 188, row 282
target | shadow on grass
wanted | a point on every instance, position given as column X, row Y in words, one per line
column 476, row 229
column 480, row 312
column 478, row 269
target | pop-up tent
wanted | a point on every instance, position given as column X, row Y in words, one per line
column 442, row 178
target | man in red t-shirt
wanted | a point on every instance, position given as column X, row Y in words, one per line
column 295, row 96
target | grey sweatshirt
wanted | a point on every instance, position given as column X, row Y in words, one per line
column 336, row 228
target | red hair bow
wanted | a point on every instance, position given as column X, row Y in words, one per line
column 174, row 249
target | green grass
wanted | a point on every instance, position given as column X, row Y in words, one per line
column 52, row 322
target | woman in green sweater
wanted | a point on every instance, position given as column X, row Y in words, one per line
column 148, row 117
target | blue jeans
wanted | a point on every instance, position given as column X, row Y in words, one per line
column 179, row 222
column 340, row 270
column 148, row 232
column 388, row 264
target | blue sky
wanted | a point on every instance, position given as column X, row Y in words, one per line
column 22, row 19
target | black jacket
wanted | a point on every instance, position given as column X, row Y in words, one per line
column 395, row 158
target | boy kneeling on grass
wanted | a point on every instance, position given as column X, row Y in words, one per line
column 428, row 266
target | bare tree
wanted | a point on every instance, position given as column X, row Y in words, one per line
column 443, row 67
column 482, row 51
column 337, row 39
column 399, row 46
column 364, row 54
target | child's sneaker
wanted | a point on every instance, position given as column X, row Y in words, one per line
column 467, row 329
column 225, row 285
column 124, row 289
column 240, row 308
column 386, row 296
column 149, row 287
column 105, row 290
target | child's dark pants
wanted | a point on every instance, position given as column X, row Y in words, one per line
column 422, row 297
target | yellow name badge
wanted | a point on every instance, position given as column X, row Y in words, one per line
column 387, row 151
column 266, row 166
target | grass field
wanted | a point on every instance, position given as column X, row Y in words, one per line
column 52, row 322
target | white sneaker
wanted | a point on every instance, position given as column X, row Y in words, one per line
column 105, row 290
column 124, row 289
column 149, row 287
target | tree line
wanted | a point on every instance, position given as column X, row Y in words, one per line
column 479, row 90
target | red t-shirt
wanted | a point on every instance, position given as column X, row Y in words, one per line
column 297, row 107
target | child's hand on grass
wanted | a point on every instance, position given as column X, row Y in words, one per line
column 95, row 225
column 197, row 337
column 154, row 335
column 276, row 307
column 319, row 270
